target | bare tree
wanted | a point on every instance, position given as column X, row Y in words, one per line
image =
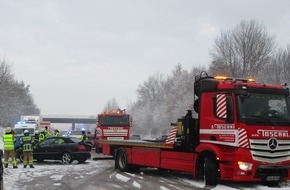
column 242, row 51
column 162, row 101
column 15, row 98
column 111, row 104
column 278, row 71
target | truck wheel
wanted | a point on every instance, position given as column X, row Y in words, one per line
column 210, row 172
column 122, row 161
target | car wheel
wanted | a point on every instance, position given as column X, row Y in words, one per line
column 82, row 160
column 66, row 158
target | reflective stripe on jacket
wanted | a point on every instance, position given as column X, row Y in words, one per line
column 41, row 137
column 26, row 143
column 9, row 140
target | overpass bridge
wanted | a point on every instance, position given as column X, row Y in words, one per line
column 70, row 119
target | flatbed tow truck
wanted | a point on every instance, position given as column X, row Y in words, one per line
column 230, row 140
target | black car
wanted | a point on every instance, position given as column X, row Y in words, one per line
column 65, row 149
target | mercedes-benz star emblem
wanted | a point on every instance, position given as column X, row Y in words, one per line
column 273, row 143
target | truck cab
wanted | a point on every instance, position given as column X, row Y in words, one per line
column 244, row 128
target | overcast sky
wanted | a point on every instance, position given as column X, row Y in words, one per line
column 76, row 55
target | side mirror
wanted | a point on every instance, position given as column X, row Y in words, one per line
column 230, row 110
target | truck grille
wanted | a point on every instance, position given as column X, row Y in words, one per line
column 261, row 151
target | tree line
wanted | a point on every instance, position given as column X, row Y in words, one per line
column 15, row 97
column 246, row 50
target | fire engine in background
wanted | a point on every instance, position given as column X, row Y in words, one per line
column 231, row 139
column 112, row 125
column 43, row 124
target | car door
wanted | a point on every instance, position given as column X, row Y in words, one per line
column 59, row 146
column 44, row 149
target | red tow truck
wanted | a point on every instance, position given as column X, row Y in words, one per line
column 112, row 125
column 231, row 139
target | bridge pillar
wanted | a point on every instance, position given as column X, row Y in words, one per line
column 73, row 126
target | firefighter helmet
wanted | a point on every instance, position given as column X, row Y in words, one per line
column 36, row 132
column 26, row 131
column 8, row 130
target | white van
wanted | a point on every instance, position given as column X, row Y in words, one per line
column 19, row 129
column 21, row 126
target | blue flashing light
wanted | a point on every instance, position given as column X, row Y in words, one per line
column 21, row 122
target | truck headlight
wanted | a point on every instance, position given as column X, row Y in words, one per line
column 245, row 166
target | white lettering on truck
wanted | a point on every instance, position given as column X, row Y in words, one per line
column 273, row 133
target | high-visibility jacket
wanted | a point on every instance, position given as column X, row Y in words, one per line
column 9, row 140
column 26, row 143
column 84, row 137
column 41, row 137
column 46, row 133
column 56, row 134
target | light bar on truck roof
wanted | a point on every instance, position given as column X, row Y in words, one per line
column 221, row 78
column 251, row 80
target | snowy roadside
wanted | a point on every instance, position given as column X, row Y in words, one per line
column 54, row 171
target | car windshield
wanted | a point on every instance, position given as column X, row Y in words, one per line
column 20, row 131
column 76, row 140
column 264, row 108
column 53, row 141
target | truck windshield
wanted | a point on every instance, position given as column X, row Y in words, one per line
column 20, row 131
column 107, row 120
column 256, row 108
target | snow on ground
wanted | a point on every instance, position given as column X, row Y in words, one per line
column 55, row 171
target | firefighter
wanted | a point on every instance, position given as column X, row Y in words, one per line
column 42, row 136
column 56, row 133
column 9, row 140
column 26, row 143
column 84, row 136
column 36, row 137
column 47, row 134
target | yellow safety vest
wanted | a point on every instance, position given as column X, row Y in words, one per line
column 9, row 140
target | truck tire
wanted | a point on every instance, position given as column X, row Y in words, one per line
column 210, row 171
column 122, row 161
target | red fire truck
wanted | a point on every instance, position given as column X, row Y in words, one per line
column 241, row 133
column 112, row 125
